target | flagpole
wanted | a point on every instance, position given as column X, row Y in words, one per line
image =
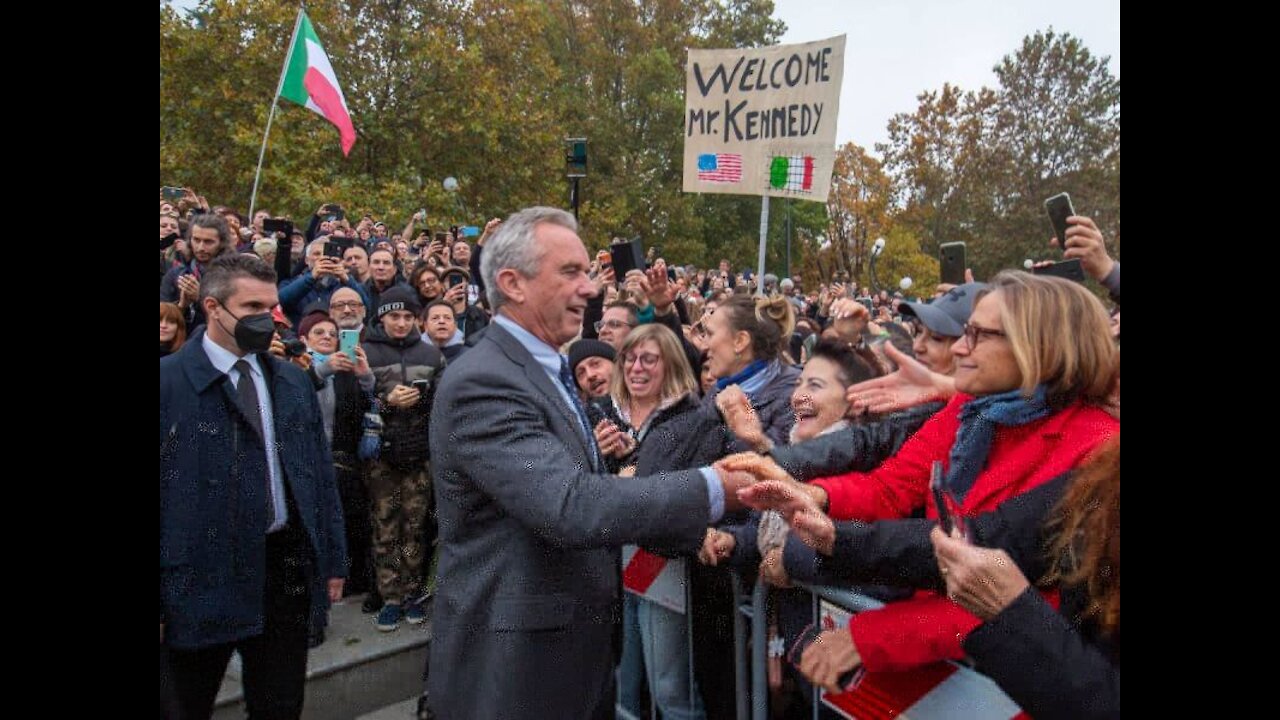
column 764, row 234
column 288, row 56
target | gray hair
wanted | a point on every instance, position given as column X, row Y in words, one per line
column 364, row 313
column 318, row 241
column 264, row 246
column 513, row 247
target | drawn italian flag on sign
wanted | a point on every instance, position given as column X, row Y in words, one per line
column 309, row 81
column 791, row 172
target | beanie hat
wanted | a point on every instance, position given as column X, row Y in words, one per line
column 399, row 297
column 587, row 348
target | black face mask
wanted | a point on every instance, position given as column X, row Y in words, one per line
column 253, row 333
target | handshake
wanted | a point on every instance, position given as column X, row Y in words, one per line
column 739, row 472
column 757, row 482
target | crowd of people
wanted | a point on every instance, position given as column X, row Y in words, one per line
column 340, row 406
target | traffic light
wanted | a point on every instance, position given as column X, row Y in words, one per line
column 576, row 158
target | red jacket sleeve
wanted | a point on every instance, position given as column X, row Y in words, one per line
column 924, row 629
column 900, row 484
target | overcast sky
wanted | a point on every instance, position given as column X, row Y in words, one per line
column 897, row 49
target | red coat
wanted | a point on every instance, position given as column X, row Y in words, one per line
column 928, row 627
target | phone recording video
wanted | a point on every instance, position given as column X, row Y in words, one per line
column 1059, row 209
column 275, row 225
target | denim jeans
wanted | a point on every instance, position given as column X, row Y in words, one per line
column 631, row 668
column 664, row 637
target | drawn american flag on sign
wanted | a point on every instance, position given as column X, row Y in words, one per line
column 720, row 167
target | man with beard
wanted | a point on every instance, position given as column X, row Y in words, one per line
column 208, row 237
column 592, row 364
column 345, row 390
column 347, row 308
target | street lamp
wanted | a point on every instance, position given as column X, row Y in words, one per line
column 876, row 249
column 451, row 186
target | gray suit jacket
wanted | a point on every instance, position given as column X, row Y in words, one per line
column 528, row 588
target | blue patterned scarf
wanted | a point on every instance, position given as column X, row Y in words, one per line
column 978, row 421
column 742, row 376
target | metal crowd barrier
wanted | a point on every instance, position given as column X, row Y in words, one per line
column 965, row 692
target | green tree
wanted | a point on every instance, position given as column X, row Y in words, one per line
column 481, row 90
column 976, row 167
column 624, row 72
column 1057, row 130
column 939, row 160
column 858, row 208
column 903, row 258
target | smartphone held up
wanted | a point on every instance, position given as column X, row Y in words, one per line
column 1059, row 209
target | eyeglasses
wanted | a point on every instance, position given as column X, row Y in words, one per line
column 323, row 333
column 611, row 324
column 972, row 333
column 647, row 361
column 348, row 305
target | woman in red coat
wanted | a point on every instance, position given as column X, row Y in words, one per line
column 1032, row 372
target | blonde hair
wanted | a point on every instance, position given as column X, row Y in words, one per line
column 1060, row 334
column 694, row 306
column 677, row 377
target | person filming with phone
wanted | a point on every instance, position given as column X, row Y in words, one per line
column 426, row 280
column 471, row 319
column 1085, row 243
column 325, row 274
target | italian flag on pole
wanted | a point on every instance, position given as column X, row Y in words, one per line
column 310, row 82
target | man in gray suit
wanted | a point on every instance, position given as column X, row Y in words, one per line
column 530, row 529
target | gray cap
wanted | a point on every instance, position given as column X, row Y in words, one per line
column 947, row 314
